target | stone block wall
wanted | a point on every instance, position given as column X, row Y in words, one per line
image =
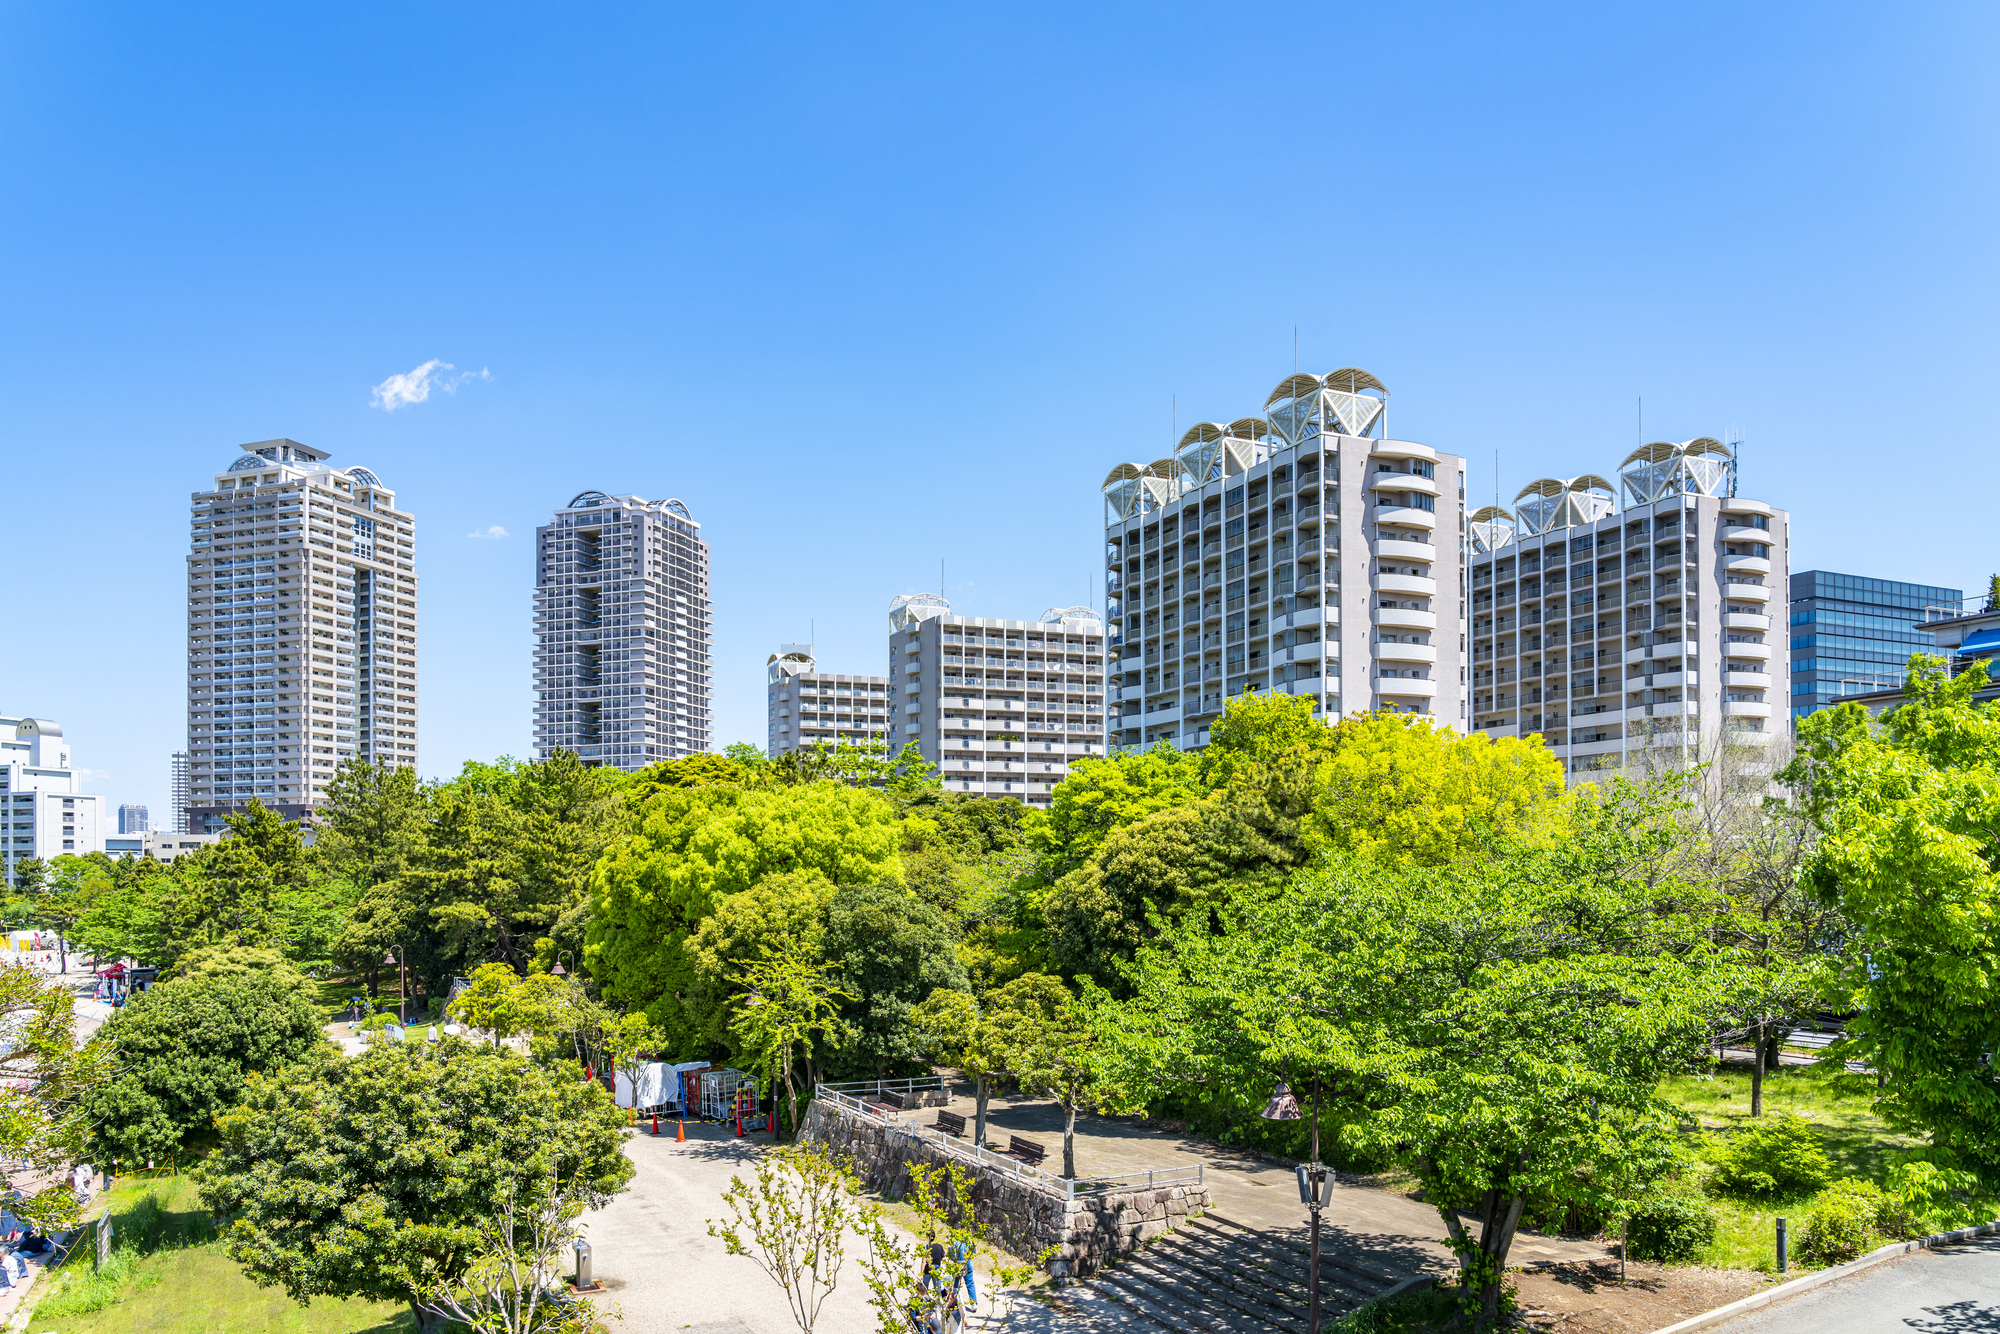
column 1020, row 1215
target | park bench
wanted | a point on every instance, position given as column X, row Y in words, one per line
column 887, row 1102
column 1027, row 1150
column 951, row 1123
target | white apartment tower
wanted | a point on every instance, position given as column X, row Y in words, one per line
column 42, row 812
column 1224, row 567
column 1614, row 633
column 623, row 632
column 807, row 707
column 1000, row 707
column 302, row 632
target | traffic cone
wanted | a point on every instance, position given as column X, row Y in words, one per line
column 656, row 1123
column 681, row 1135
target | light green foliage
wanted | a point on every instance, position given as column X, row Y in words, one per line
column 745, row 756
column 1101, row 795
column 46, row 1086
column 1839, row 1230
column 793, row 1224
column 652, row 890
column 789, row 1012
column 1499, row 1028
column 905, row 1289
column 382, row 1176
column 1260, row 729
column 183, row 1051
column 1046, row 1041
column 890, row 949
column 784, row 914
column 488, row 1001
column 688, row 771
column 1671, row 1226
column 952, row 1028
column 1907, row 851
column 1778, row 1155
column 1923, row 1198
column 1401, row 789
column 245, row 961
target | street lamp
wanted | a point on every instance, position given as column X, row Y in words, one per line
column 1315, row 1184
column 402, row 1004
column 558, row 970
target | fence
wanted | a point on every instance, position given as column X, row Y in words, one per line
column 845, row 1097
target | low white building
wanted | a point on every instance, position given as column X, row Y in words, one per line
column 42, row 813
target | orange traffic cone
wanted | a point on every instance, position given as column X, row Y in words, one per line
column 681, row 1135
column 656, row 1123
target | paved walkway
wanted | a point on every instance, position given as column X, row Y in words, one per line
column 1951, row 1290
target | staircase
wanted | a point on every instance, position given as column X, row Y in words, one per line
column 1215, row 1274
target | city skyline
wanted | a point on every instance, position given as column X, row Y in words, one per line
column 862, row 322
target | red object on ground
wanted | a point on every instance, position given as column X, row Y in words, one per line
column 681, row 1134
column 656, row 1123
column 771, row 1120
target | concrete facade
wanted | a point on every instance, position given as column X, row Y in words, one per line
column 1000, row 707
column 43, row 814
column 807, row 707
column 1224, row 567
column 624, row 632
column 302, row 632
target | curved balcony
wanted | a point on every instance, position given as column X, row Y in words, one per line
column 1407, row 516
column 1747, row 680
column 1743, row 620
column 1744, row 533
column 1403, row 619
column 1745, row 708
column 1396, row 549
column 1747, row 592
column 1747, row 564
column 1411, row 585
column 1402, row 481
column 1389, row 652
column 1401, row 449
column 1739, row 505
column 1409, row 687
column 1747, row 650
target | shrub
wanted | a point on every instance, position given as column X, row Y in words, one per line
column 1672, row 1228
column 1923, row 1197
column 1838, row 1230
column 1781, row 1155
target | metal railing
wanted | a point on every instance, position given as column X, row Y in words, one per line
column 980, row 1156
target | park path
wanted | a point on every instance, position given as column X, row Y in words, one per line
column 1949, row 1290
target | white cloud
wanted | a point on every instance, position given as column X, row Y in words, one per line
column 493, row 531
column 415, row 386
column 86, row 777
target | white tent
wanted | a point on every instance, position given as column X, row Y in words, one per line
column 655, row 1088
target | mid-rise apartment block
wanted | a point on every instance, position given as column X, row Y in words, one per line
column 1612, row 632
column 178, row 777
column 1852, row 635
column 807, row 707
column 133, row 819
column 1224, row 566
column 1000, row 707
column 43, row 814
column 624, row 632
column 302, row 632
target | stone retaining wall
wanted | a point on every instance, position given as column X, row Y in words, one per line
column 1019, row 1216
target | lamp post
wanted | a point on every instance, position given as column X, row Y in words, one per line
column 402, row 991
column 1315, row 1185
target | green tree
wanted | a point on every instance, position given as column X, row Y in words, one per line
column 183, row 1050
column 784, row 914
column 797, row 1219
column 72, row 886
column 697, row 846
column 46, row 1086
column 1498, row 1027
column 790, row 1012
column 489, row 1001
column 953, row 1029
column 724, row 770
column 1101, row 795
column 1258, row 729
column 1046, row 1042
column 891, row 949
column 29, row 873
column 372, row 821
column 383, row 1177
column 1907, row 850
column 745, row 756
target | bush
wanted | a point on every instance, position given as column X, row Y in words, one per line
column 1670, row 1228
column 1838, row 1230
column 1781, row 1155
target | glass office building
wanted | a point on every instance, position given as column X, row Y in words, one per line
column 1852, row 635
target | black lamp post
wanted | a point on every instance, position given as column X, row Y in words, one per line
column 1315, row 1185
column 402, row 991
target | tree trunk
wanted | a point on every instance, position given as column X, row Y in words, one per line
column 1483, row 1264
column 792, row 1095
column 981, row 1092
column 1757, row 1070
column 1069, row 1143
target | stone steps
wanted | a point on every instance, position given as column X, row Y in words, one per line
column 1213, row 1273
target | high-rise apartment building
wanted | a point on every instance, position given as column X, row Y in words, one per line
column 133, row 820
column 1852, row 635
column 1224, row 566
column 178, row 767
column 1000, row 707
column 623, row 632
column 302, row 632
column 807, row 707
column 42, row 812
column 1612, row 633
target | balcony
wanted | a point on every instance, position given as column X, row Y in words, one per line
column 1389, row 651
column 1743, row 620
column 1747, row 650
column 1402, row 481
column 1744, row 533
column 1747, row 592
column 1745, row 708
column 1747, row 680
column 1409, row 687
column 1747, row 564
column 1410, row 585
column 1403, row 618
column 1406, row 516
column 1402, row 549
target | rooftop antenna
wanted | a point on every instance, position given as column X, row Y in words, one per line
column 940, row 576
column 1295, row 349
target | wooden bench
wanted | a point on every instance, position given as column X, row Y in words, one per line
column 1027, row 1150
column 951, row 1123
column 888, row 1102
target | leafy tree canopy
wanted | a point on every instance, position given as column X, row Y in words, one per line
column 891, row 949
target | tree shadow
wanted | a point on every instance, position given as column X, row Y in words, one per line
column 1965, row 1317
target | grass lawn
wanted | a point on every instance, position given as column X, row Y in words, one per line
column 169, row 1276
column 1840, row 1106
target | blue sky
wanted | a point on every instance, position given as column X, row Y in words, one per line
column 873, row 287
